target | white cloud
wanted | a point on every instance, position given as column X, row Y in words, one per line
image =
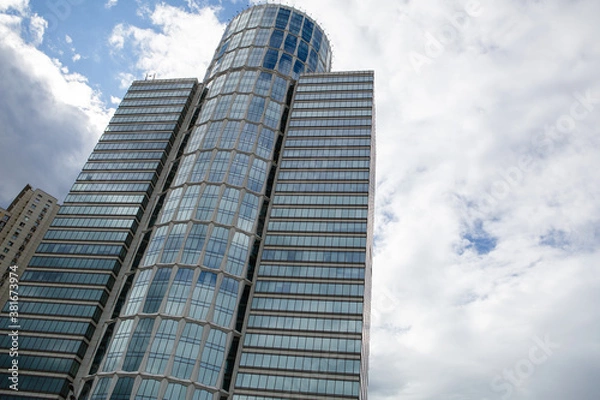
column 115, row 100
column 111, row 3
column 21, row 6
column 76, row 57
column 68, row 39
column 179, row 35
column 51, row 117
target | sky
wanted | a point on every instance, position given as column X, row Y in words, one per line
column 487, row 235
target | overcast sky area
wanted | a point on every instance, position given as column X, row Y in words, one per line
column 487, row 258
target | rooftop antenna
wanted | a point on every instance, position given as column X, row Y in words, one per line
column 150, row 76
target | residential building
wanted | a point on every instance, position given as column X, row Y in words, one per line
column 22, row 227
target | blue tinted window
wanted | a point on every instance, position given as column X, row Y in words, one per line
column 298, row 69
column 276, row 39
column 282, row 18
column 317, row 38
column 307, row 30
column 302, row 50
column 270, row 59
column 285, row 64
column 290, row 44
column 312, row 61
column 296, row 23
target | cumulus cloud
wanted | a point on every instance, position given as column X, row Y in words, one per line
column 50, row 117
column 180, row 44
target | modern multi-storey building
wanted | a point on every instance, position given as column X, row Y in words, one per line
column 217, row 244
column 22, row 226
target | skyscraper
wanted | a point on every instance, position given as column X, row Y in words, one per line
column 217, row 244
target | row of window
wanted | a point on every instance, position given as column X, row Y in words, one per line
column 64, row 293
column 326, row 113
column 153, row 102
column 122, row 165
column 148, row 110
column 50, row 364
column 334, row 87
column 107, row 198
column 162, row 95
column 100, row 210
column 145, row 118
column 330, row 122
column 303, row 343
column 94, row 223
column 328, row 133
column 297, row 363
column 299, row 105
column 303, row 271
column 336, row 78
column 53, row 345
column 142, row 155
column 322, row 187
column 112, row 187
column 321, row 213
column 62, row 309
column 307, row 306
column 316, row 241
column 75, row 263
column 91, row 236
column 79, row 278
column 141, row 127
column 314, row 289
column 82, row 249
column 328, row 142
column 115, row 137
column 333, row 95
column 57, row 326
column 304, row 324
column 294, row 175
column 315, row 226
column 231, row 135
column 324, row 164
column 117, row 176
column 132, row 146
column 288, row 384
column 325, row 153
column 358, row 200
column 162, row 86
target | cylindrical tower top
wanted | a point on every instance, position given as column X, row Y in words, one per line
column 273, row 37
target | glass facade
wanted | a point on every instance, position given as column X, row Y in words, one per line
column 70, row 282
column 246, row 273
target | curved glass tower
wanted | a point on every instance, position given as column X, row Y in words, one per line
column 249, row 275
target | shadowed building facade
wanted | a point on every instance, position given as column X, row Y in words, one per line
column 218, row 241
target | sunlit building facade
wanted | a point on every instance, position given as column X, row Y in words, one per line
column 217, row 244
